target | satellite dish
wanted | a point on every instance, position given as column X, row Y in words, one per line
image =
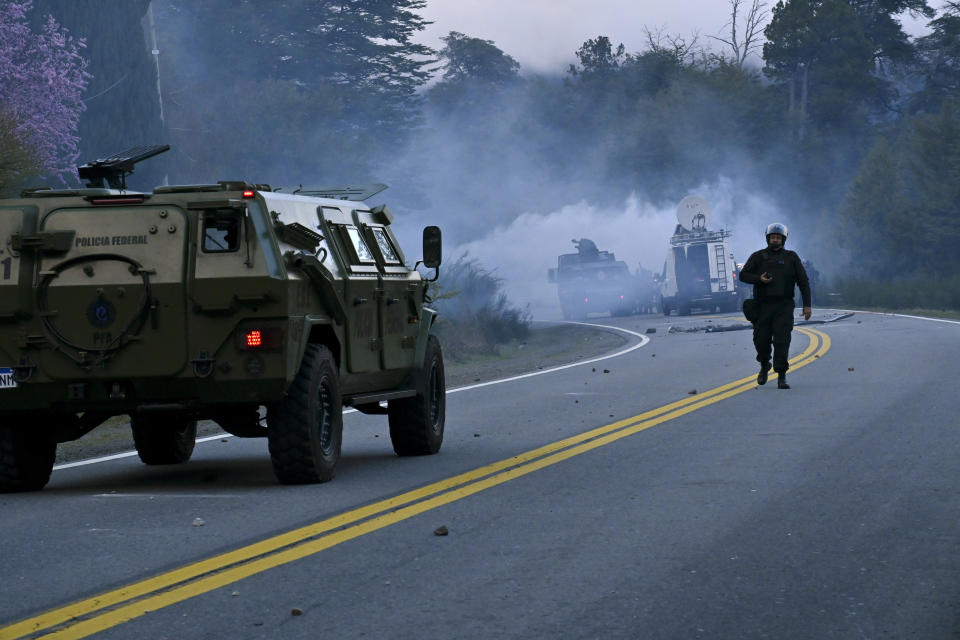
column 693, row 213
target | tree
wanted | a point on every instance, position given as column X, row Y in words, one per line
column 818, row 50
column 365, row 47
column 742, row 46
column 933, row 188
column 467, row 59
column 17, row 161
column 880, row 27
column 873, row 222
column 597, row 57
column 939, row 54
column 42, row 76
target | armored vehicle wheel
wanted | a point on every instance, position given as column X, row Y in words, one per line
column 305, row 429
column 25, row 460
column 416, row 424
column 163, row 438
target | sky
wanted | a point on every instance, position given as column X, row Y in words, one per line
column 542, row 35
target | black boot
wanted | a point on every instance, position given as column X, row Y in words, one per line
column 782, row 381
column 762, row 376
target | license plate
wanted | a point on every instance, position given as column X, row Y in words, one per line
column 6, row 378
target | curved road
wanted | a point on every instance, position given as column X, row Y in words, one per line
column 655, row 494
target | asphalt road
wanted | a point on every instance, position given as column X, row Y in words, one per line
column 604, row 500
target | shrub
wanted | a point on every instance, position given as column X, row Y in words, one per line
column 475, row 315
column 913, row 292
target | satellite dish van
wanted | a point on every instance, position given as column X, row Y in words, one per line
column 699, row 272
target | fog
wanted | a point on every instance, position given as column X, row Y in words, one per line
column 637, row 232
column 506, row 176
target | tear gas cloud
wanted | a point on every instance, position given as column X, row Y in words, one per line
column 637, row 232
column 509, row 182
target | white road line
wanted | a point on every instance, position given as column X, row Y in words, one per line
column 643, row 341
column 902, row 315
column 126, row 454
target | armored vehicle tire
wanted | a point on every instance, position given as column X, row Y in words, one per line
column 163, row 438
column 305, row 429
column 25, row 460
column 416, row 424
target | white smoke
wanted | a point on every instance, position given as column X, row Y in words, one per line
column 638, row 233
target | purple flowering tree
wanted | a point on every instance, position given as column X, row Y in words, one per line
column 42, row 79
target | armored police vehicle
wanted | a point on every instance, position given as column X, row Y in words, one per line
column 593, row 281
column 210, row 301
column 699, row 272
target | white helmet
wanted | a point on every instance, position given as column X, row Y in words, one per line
column 776, row 227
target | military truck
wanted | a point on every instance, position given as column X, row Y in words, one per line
column 593, row 281
column 699, row 271
column 233, row 302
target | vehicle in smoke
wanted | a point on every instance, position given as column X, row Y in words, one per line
column 648, row 292
column 593, row 281
column 699, row 271
column 210, row 301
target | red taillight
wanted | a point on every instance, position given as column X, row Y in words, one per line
column 249, row 193
column 248, row 339
column 586, row 299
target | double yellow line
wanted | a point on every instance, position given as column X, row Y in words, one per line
column 86, row 617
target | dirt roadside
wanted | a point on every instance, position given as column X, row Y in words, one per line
column 546, row 346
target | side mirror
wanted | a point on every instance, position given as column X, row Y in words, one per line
column 432, row 250
column 551, row 275
column 432, row 247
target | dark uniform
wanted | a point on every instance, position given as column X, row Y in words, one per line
column 775, row 314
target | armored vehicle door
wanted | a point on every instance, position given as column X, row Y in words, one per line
column 113, row 303
column 399, row 312
column 362, row 291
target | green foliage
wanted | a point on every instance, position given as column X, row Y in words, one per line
column 467, row 59
column 362, row 50
column 917, row 292
column 598, row 57
column 18, row 162
column 475, row 315
column 817, row 50
column 933, row 188
column 940, row 61
column 880, row 26
column 872, row 222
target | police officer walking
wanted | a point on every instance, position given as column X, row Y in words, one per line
column 774, row 272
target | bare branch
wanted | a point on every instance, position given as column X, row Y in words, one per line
column 752, row 30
